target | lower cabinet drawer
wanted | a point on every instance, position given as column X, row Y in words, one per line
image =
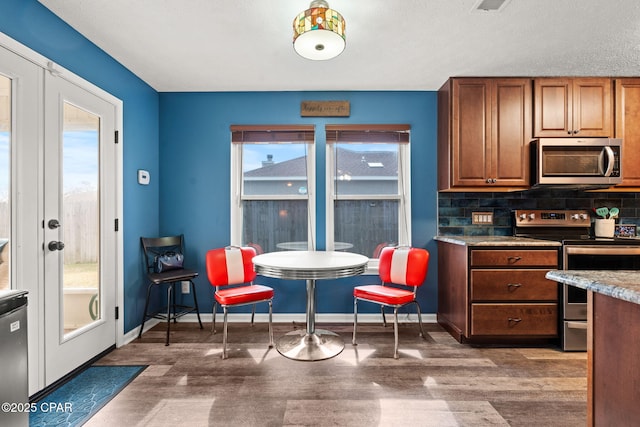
column 514, row 258
column 514, row 319
column 512, row 285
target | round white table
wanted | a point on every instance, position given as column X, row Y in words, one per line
column 312, row 344
column 303, row 246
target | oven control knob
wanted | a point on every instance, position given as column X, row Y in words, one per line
column 532, row 216
column 522, row 217
column 575, row 216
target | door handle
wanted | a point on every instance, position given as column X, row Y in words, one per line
column 55, row 246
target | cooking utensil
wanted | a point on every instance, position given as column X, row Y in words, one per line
column 613, row 212
column 603, row 212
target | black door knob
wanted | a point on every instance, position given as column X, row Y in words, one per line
column 55, row 246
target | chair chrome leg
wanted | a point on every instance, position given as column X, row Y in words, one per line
column 395, row 332
column 224, row 334
column 253, row 313
column 355, row 320
column 270, row 324
column 420, row 321
column 384, row 318
column 213, row 326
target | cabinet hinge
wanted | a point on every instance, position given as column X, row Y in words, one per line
column 116, row 225
column 117, row 137
column 117, row 312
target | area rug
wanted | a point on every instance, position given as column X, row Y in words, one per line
column 78, row 399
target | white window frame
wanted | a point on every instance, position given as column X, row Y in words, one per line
column 237, row 196
column 404, row 197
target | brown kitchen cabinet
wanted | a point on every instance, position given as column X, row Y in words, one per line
column 497, row 294
column 484, row 132
column 627, row 114
column 573, row 107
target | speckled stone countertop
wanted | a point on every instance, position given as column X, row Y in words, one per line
column 623, row 285
column 495, row 241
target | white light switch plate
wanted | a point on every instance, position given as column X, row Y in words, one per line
column 185, row 288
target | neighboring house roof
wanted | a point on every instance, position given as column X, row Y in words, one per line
column 350, row 162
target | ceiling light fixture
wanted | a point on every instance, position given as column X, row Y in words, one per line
column 319, row 32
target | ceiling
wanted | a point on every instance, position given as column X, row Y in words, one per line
column 246, row 45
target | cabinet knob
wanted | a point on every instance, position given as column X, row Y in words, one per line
column 513, row 259
column 513, row 286
column 575, row 131
column 515, row 320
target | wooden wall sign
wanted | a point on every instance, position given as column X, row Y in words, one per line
column 325, row 108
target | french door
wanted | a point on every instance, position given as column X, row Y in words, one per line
column 79, row 226
column 59, row 199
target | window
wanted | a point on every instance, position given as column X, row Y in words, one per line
column 367, row 185
column 272, row 187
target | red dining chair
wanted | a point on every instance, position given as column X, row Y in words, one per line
column 231, row 271
column 402, row 270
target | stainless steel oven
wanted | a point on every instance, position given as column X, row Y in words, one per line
column 596, row 254
column 580, row 251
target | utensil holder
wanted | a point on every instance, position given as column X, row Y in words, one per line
column 605, row 227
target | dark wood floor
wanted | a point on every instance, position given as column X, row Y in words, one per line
column 436, row 382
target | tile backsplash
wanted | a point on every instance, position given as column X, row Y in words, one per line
column 455, row 209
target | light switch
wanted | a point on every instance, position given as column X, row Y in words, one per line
column 143, row 177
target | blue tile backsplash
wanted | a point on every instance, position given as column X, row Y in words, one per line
column 455, row 209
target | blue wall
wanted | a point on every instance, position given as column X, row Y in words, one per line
column 182, row 139
column 33, row 25
column 195, row 154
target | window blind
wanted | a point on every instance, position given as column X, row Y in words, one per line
column 387, row 134
column 251, row 134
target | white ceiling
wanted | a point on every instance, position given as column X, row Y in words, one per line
column 246, row 45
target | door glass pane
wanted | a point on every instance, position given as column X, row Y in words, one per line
column 5, row 180
column 81, row 233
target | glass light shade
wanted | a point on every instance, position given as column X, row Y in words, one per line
column 319, row 32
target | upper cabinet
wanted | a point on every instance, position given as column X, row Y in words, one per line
column 484, row 131
column 628, row 128
column 573, row 107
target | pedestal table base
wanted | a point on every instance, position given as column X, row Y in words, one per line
column 300, row 345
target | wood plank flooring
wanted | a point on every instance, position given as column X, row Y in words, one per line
column 436, row 381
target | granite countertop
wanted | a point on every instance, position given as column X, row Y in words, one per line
column 496, row 241
column 620, row 284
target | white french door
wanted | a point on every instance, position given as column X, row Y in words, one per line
column 80, row 211
column 60, row 184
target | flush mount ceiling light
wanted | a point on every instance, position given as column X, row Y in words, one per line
column 319, row 32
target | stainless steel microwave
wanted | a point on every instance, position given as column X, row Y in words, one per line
column 577, row 161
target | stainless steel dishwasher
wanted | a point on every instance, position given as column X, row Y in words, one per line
column 14, row 384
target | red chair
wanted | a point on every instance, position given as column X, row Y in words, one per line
column 399, row 268
column 231, row 266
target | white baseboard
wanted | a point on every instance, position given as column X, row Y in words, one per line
column 287, row 318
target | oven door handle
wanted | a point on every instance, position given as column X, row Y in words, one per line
column 602, row 250
column 577, row 325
